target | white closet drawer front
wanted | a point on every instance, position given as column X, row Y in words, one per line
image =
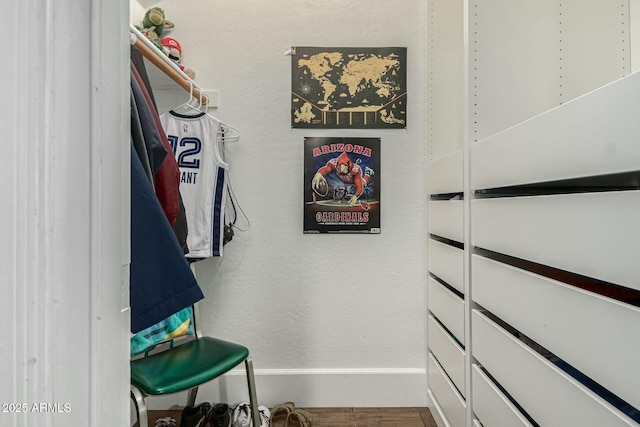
column 450, row 401
column 446, row 262
column 595, row 134
column 447, row 307
column 561, row 318
column 448, row 352
column 445, row 219
column 550, row 396
column 436, row 410
column 446, row 174
column 491, row 405
column 595, row 234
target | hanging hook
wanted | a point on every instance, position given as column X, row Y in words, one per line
column 200, row 99
column 190, row 92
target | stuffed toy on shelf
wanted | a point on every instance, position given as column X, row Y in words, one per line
column 174, row 51
column 154, row 24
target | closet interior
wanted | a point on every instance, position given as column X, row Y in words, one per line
column 532, row 300
column 275, row 288
column 533, row 177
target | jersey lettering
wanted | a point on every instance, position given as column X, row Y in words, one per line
column 188, row 177
column 186, row 158
column 173, row 141
column 196, row 147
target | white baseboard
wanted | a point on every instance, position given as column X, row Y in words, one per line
column 314, row 388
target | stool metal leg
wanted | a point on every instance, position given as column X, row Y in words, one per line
column 191, row 396
column 141, row 407
column 253, row 399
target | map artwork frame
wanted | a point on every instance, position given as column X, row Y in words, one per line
column 341, row 185
column 349, row 87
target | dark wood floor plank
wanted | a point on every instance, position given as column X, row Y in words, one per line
column 347, row 417
column 427, row 418
column 366, row 417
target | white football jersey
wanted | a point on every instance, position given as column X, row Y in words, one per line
column 203, row 179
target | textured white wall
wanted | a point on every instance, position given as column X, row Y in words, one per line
column 310, row 304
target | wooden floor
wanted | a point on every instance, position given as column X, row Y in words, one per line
column 348, row 417
column 374, row 417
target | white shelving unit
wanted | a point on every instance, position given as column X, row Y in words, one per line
column 534, row 182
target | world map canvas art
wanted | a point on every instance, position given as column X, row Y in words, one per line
column 349, row 87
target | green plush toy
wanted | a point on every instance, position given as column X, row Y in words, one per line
column 154, row 23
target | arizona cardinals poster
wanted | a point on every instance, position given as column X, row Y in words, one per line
column 341, row 185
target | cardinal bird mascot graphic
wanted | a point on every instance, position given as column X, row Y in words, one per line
column 342, row 185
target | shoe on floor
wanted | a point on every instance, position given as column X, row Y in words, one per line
column 220, row 416
column 165, row 422
column 299, row 418
column 280, row 413
column 195, row 416
column 242, row 415
column 265, row 416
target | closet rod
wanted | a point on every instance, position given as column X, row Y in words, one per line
column 157, row 58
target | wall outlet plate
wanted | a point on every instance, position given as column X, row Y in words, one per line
column 214, row 98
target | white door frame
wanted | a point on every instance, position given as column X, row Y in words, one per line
column 64, row 345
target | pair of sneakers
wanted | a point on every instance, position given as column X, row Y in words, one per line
column 242, row 416
column 205, row 415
